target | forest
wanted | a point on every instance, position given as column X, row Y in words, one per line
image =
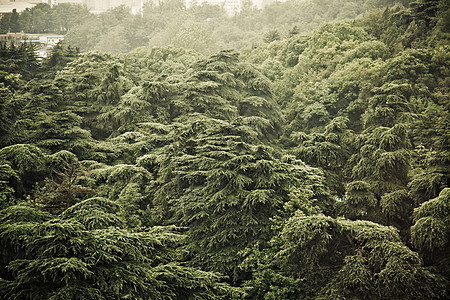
column 302, row 153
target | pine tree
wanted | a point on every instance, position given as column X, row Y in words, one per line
column 329, row 150
column 378, row 191
column 28, row 162
column 14, row 25
column 430, row 232
column 84, row 254
column 225, row 190
column 321, row 257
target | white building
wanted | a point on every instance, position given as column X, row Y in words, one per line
column 44, row 43
column 100, row 6
column 47, row 43
column 50, row 39
column 231, row 6
column 56, row 2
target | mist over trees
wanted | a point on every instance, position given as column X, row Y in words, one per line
column 144, row 159
column 206, row 29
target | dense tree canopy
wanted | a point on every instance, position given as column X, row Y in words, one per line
column 203, row 28
column 310, row 165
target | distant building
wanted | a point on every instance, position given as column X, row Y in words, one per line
column 56, row 2
column 99, row 6
column 8, row 7
column 50, row 39
column 44, row 43
column 43, row 53
column 232, row 7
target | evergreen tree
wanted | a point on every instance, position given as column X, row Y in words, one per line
column 163, row 174
column 84, row 254
column 430, row 233
column 226, row 190
column 14, row 25
column 4, row 23
column 28, row 162
column 320, row 257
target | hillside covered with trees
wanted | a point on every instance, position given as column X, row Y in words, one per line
column 312, row 165
column 206, row 29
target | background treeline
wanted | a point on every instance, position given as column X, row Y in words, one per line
column 45, row 19
column 315, row 166
column 206, row 29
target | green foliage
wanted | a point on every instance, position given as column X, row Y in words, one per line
column 15, row 60
column 226, row 190
column 204, row 28
column 271, row 36
column 78, row 257
column 320, row 257
column 10, row 183
column 92, row 84
column 220, row 87
column 430, row 176
column 381, row 176
column 9, row 110
column 62, row 189
column 25, row 159
column 61, row 131
column 329, row 150
column 4, row 23
column 42, row 18
column 14, row 25
column 430, row 232
column 95, row 213
column 60, row 57
column 142, row 175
